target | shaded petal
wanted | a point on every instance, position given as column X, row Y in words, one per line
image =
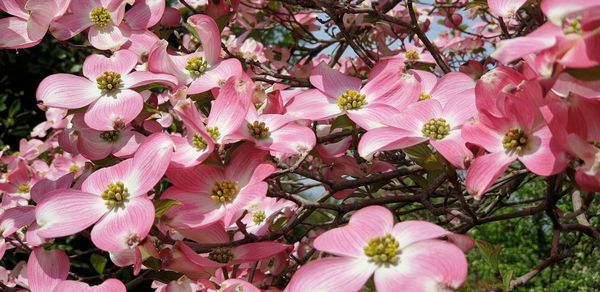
column 256, row 251
column 372, row 116
column 141, row 78
column 67, row 212
column 331, row 81
column 69, row 25
column 122, row 107
column 246, row 196
column 14, row 33
column 123, row 227
column 150, row 163
column 453, row 148
column 289, row 139
column 484, row 170
column 210, row 36
column 548, row 158
column 46, row 268
column 479, row 134
column 410, row 232
column 313, row 105
column 331, row 274
column 99, row 180
column 109, row 37
column 216, row 76
column 386, row 138
column 145, row 14
column 196, row 209
column 67, row 91
column 513, row 49
column 505, row 8
column 110, row 285
column 122, row 62
column 13, row 219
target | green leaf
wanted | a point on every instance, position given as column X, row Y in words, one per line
column 98, row 262
column 586, row 74
column 15, row 107
column 165, row 276
column 342, row 122
column 152, row 263
column 506, row 278
column 490, row 253
column 163, row 206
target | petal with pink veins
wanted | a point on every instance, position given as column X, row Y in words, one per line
column 386, row 138
column 14, row 34
column 109, row 110
column 331, row 274
column 514, row 49
column 46, row 268
column 150, row 163
column 479, row 134
column 15, row 218
column 547, row 158
column 194, row 211
column 332, row 82
column 210, row 36
column 187, row 178
column 453, row 148
column 109, row 37
column 122, row 62
column 65, row 212
column 141, row 78
column 505, row 8
column 410, row 232
column 372, row 116
column 313, row 105
column 110, row 285
column 145, row 14
column 242, row 199
column 67, row 91
column 124, row 227
column 558, row 10
column 256, row 251
column 216, row 76
column 484, row 170
column 69, row 25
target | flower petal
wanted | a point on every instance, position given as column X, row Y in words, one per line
column 109, row 37
column 110, row 285
column 331, row 274
column 46, row 268
column 122, row 62
column 484, row 170
column 409, row 232
column 145, row 14
column 67, row 91
column 332, row 82
column 109, row 110
column 210, row 36
column 313, row 105
column 150, row 163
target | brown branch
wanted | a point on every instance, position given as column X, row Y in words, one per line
column 423, row 37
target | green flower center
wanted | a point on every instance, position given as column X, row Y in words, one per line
column 572, row 26
column 213, row 132
column 351, row 100
column 220, row 255
column 199, row 142
column 108, row 81
column 259, row 217
column 258, row 130
column 224, row 191
column 515, row 140
column 110, row 136
column 115, row 194
column 23, row 188
column 196, row 66
column 383, row 250
column 436, row 129
column 74, row 168
column 412, row 55
column 424, row 96
column 99, row 16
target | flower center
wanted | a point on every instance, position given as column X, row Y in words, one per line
column 199, row 142
column 74, row 168
column 436, row 129
column 99, row 16
column 3, row 167
column 108, row 81
column 220, row 255
column 383, row 250
column 196, row 66
column 258, row 130
column 412, row 55
column 424, row 96
column 110, row 136
column 133, row 240
column 572, row 26
column 351, row 100
column 224, row 191
column 213, row 132
column 515, row 140
column 258, row 217
column 115, row 194
column 23, row 188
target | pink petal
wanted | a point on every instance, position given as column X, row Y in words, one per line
column 186, row 155
column 159, row 61
column 14, row 34
column 484, row 170
column 40, row 190
column 234, row 285
column 410, row 232
column 428, row 80
column 350, row 240
column 386, row 138
column 69, row 25
column 46, row 269
column 124, row 227
column 229, row 110
column 209, row 34
column 372, row 115
column 119, row 108
column 41, row 14
column 244, row 163
column 453, row 148
column 15, row 218
column 244, row 197
column 505, row 8
column 14, row 7
column 67, row 91
column 216, row 76
column 145, row 14
column 558, row 10
column 428, row 265
column 289, row 139
column 122, row 62
column 313, row 105
column 256, row 251
column 150, row 163
column 513, row 49
column 416, row 115
column 331, row 274
column 99, row 180
column 332, row 82
column 110, row 285
column 110, row 37
column 188, row 178
column 407, row 92
column 479, row 134
column 68, row 211
column 91, row 146
column 453, row 87
column 141, row 78
column 196, row 209
column 548, row 158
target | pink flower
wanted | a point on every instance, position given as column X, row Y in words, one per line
column 588, row 174
column 102, row 17
column 505, row 8
column 209, row 193
column 107, row 90
column 520, row 134
column 407, row 256
column 263, row 212
column 339, row 94
column 114, row 198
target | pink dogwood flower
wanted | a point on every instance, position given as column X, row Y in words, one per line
column 407, row 256
column 106, row 89
column 209, row 193
column 520, row 134
column 29, row 22
column 505, row 8
column 113, row 197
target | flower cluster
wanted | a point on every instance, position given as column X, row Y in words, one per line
column 191, row 151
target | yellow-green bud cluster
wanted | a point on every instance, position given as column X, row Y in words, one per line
column 115, row 194
column 110, row 136
column 224, row 191
column 23, row 188
column 573, row 26
column 199, row 142
column 220, row 255
column 258, row 217
column 515, row 140
column 436, row 128
column 258, row 130
column 424, row 96
column 100, row 16
column 383, row 250
column 109, row 81
column 351, row 100
column 196, row 66
column 412, row 55
column 213, row 132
